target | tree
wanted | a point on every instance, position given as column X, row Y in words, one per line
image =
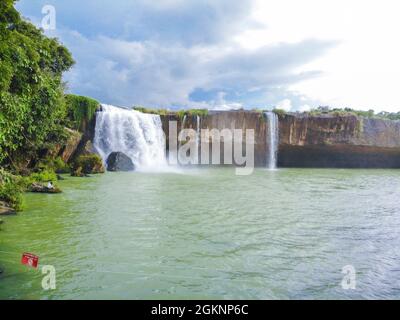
column 32, row 102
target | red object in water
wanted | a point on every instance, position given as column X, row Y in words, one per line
column 30, row 260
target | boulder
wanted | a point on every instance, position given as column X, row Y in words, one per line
column 5, row 209
column 74, row 137
column 119, row 161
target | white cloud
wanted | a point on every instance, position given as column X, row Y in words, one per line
column 154, row 74
column 257, row 52
column 285, row 104
column 363, row 71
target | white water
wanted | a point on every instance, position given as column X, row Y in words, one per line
column 273, row 140
column 198, row 137
column 138, row 135
column 183, row 122
column 182, row 128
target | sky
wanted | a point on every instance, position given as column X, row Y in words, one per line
column 229, row 54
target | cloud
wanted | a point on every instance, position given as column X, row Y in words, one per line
column 176, row 54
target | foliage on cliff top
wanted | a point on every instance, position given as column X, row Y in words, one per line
column 192, row 112
column 349, row 111
column 279, row 112
column 80, row 110
column 151, row 110
column 32, row 103
column 180, row 113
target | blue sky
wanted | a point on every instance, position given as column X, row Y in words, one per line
column 218, row 54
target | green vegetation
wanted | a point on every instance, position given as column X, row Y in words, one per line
column 80, row 110
column 151, row 111
column 180, row 113
column 34, row 109
column 341, row 112
column 56, row 165
column 389, row 115
column 279, row 112
column 192, row 113
column 32, row 104
column 42, row 176
column 87, row 164
column 11, row 188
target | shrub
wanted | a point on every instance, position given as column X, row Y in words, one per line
column 11, row 188
column 87, row 164
column 49, row 164
column 43, row 176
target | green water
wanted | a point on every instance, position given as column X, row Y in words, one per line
column 207, row 233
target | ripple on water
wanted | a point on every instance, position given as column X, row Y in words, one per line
column 210, row 234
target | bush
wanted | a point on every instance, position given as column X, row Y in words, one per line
column 87, row 164
column 11, row 188
column 43, row 176
column 57, row 165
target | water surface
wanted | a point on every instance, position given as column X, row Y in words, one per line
column 208, row 234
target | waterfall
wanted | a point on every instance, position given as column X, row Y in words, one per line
column 273, row 139
column 198, row 130
column 138, row 135
column 182, row 127
column 183, row 122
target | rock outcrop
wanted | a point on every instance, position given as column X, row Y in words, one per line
column 5, row 209
column 119, row 161
column 39, row 188
column 66, row 152
column 85, row 144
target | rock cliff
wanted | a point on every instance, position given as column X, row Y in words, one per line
column 306, row 140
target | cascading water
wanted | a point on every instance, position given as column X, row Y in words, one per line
column 138, row 135
column 198, row 137
column 183, row 122
column 273, row 139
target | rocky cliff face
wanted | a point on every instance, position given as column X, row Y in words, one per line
column 304, row 140
column 312, row 141
column 228, row 120
column 338, row 141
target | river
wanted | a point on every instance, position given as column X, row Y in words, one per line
column 209, row 234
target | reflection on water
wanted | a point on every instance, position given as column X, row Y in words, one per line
column 210, row 234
